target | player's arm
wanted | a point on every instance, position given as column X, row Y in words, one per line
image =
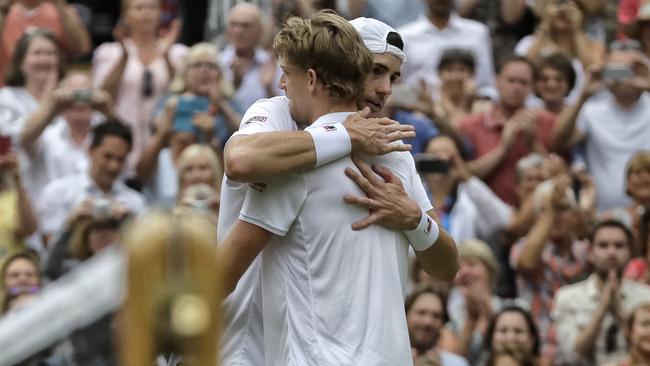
column 391, row 207
column 244, row 242
column 249, row 158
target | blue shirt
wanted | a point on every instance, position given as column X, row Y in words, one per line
column 424, row 130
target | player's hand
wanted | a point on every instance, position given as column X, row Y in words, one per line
column 386, row 199
column 376, row 136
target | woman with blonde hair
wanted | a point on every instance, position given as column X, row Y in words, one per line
column 638, row 337
column 197, row 111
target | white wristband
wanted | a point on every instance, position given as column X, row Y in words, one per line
column 425, row 235
column 331, row 142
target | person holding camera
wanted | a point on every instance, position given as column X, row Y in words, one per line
column 612, row 123
column 56, row 136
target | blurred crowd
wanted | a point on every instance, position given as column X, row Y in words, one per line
column 532, row 122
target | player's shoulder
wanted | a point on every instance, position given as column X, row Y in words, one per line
column 401, row 163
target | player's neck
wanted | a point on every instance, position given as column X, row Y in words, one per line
column 328, row 107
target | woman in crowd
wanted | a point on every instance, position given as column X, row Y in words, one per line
column 638, row 337
column 561, row 30
column 555, row 80
column 137, row 70
column 20, row 270
column 512, row 330
column 198, row 164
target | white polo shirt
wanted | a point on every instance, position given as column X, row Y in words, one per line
column 332, row 296
column 60, row 197
column 242, row 343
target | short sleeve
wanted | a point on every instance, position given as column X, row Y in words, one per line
column 104, row 59
column 582, row 121
column 266, row 115
column 274, row 206
column 524, row 44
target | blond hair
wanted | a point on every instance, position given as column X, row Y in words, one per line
column 178, row 84
column 190, row 154
column 329, row 45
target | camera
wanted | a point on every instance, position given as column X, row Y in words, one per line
column 81, row 96
column 428, row 164
column 616, row 72
column 102, row 209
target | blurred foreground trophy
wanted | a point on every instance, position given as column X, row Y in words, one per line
column 174, row 294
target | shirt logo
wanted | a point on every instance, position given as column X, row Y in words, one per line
column 429, row 224
column 260, row 187
column 260, row 119
column 329, row 128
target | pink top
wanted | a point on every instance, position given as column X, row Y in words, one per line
column 131, row 106
column 636, row 270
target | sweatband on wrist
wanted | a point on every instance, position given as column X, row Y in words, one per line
column 425, row 235
column 331, row 142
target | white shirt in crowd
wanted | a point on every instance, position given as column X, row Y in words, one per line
column 62, row 196
column 332, row 295
column 613, row 135
column 242, row 343
column 424, row 44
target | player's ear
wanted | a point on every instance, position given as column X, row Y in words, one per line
column 312, row 79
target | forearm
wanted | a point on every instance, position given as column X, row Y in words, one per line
column 440, row 260
column 251, row 158
column 585, row 342
column 26, row 217
column 564, row 132
column 487, row 163
column 112, row 82
column 149, row 159
column 521, row 220
column 53, row 268
column 512, row 10
column 244, row 242
column 531, row 253
column 77, row 36
column 584, row 49
column 35, row 125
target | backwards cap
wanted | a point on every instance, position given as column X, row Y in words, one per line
column 379, row 37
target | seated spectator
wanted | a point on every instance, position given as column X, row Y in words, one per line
column 588, row 314
column 199, row 111
column 248, row 67
column 638, row 328
column 20, row 269
column 612, row 125
column 466, row 206
column 512, row 331
column 109, row 148
column 562, row 30
column 34, row 72
column 426, row 316
column 551, row 255
column 22, row 16
column 426, row 38
column 556, row 78
column 17, row 218
column 472, row 301
column 55, row 138
column 508, row 130
column 198, row 164
column 137, row 69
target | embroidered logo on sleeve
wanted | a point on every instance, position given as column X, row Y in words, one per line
column 329, row 128
column 260, row 187
column 260, row 119
column 429, row 224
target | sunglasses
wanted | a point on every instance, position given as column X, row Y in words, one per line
column 147, row 84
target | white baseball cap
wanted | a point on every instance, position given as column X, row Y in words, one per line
column 380, row 37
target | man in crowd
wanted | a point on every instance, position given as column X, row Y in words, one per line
column 313, row 94
column 109, row 148
column 612, row 125
column 589, row 315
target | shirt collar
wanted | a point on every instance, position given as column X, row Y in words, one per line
column 330, row 118
column 90, row 187
column 453, row 23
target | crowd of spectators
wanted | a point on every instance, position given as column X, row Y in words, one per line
column 532, row 122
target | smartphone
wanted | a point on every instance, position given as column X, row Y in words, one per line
column 187, row 106
column 427, row 164
column 5, row 144
column 615, row 72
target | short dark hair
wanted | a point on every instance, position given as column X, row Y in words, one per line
column 561, row 63
column 427, row 289
column 111, row 127
column 530, row 322
column 457, row 56
column 14, row 75
column 613, row 223
column 515, row 59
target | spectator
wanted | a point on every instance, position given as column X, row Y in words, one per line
column 638, row 328
column 205, row 106
column 467, row 208
column 17, row 219
column 108, row 151
column 472, row 301
column 199, row 164
column 251, row 69
column 628, row 16
column 639, row 28
column 508, row 130
column 551, row 255
column 426, row 316
column 426, row 38
column 612, row 125
column 56, row 136
column 201, row 198
column 396, row 14
column 512, row 330
column 587, row 314
column 555, row 80
column 562, row 31
column 137, row 69
column 34, row 72
column 22, row 16
column 20, row 269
